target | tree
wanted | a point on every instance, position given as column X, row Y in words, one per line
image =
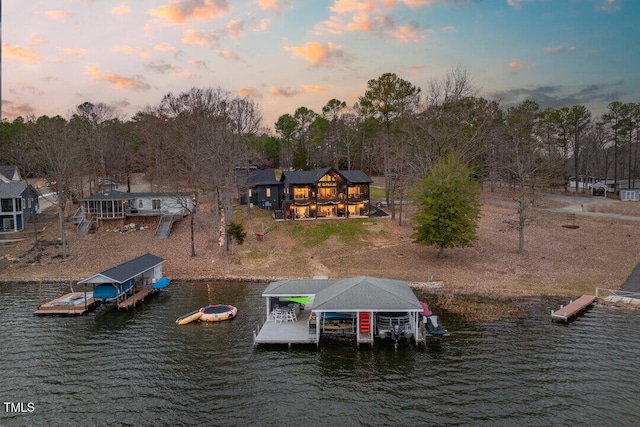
column 52, row 147
column 448, row 206
column 389, row 99
column 521, row 152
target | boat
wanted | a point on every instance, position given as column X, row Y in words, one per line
column 112, row 291
column 189, row 317
column 163, row 283
column 218, row 312
column 431, row 323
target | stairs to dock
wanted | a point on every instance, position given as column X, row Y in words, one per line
column 164, row 226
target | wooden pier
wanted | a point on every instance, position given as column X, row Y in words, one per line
column 138, row 296
column 71, row 304
column 568, row 312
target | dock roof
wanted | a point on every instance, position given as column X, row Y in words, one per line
column 126, row 271
column 363, row 293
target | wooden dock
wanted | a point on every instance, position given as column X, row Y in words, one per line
column 138, row 296
column 568, row 312
column 71, row 304
column 286, row 332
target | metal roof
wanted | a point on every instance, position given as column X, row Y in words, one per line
column 363, row 293
column 125, row 271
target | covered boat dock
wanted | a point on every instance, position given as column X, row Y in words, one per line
column 302, row 311
column 128, row 283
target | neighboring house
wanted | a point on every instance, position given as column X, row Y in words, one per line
column 264, row 190
column 113, row 208
column 325, row 193
column 18, row 200
column 630, row 194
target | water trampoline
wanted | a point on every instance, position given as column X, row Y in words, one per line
column 209, row 313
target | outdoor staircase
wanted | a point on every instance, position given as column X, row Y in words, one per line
column 164, row 226
column 86, row 225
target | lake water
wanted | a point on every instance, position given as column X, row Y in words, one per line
column 139, row 368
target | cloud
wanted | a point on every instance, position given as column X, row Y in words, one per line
column 235, row 29
column 227, row 54
column 316, row 53
column 610, row 5
column 20, row 53
column 375, row 17
column 168, row 69
column 198, row 63
column 119, row 82
column 555, row 49
column 165, row 47
column 14, row 110
column 516, row 3
column 181, row 11
column 315, row 89
column 121, row 10
column 250, row 92
column 517, row 63
column 78, row 53
column 129, row 50
column 60, row 15
column 560, row 96
column 270, row 5
column 288, row 93
column 199, row 38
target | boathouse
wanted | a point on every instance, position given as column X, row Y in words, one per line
column 302, row 311
column 128, row 283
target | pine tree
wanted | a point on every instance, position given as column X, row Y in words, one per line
column 448, row 206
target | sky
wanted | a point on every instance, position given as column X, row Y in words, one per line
column 285, row 54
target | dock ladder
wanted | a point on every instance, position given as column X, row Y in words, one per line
column 365, row 325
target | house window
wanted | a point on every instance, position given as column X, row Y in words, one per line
column 268, row 192
column 6, row 205
column 155, row 204
column 300, row 193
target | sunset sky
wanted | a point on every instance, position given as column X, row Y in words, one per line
column 57, row 54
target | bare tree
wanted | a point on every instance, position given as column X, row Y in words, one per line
column 52, row 147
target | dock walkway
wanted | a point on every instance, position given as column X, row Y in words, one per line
column 137, row 297
column 568, row 312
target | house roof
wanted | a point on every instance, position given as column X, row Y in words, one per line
column 123, row 195
column 9, row 173
column 125, row 271
column 312, row 177
column 262, row 177
column 13, row 189
column 363, row 293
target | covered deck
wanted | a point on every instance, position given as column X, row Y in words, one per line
column 354, row 309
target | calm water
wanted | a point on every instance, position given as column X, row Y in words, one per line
column 140, row 368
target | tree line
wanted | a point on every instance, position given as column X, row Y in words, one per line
column 204, row 141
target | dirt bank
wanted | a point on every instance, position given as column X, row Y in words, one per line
column 559, row 261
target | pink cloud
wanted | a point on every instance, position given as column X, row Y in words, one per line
column 316, row 53
column 199, row 38
column 129, row 50
column 119, row 82
column 271, row 5
column 227, row 54
column 235, row 29
column 249, row 91
column 77, row 53
column 58, row 14
column 20, row 53
column 121, row 10
column 179, row 11
column 516, row 64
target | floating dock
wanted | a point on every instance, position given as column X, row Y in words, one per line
column 568, row 312
column 71, row 304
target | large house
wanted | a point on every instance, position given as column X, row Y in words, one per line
column 325, row 193
column 18, row 200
